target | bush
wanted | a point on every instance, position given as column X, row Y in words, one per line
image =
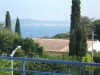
column 7, row 41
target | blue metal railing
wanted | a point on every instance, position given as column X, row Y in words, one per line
column 23, row 70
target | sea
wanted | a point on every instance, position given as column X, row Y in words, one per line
column 42, row 31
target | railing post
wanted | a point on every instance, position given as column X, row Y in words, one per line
column 12, row 66
column 69, row 71
column 23, row 67
column 83, row 70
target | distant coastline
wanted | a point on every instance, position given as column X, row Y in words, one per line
column 30, row 22
column 36, row 28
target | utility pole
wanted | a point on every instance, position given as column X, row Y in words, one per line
column 92, row 43
column 92, row 46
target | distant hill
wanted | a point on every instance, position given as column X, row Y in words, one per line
column 30, row 22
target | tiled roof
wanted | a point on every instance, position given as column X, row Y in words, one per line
column 55, row 45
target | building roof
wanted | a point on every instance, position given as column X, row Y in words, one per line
column 56, row 45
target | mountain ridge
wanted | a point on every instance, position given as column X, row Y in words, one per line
column 31, row 22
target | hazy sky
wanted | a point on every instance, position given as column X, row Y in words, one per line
column 47, row 9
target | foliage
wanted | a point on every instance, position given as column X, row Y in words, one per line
column 28, row 48
column 31, row 48
column 20, row 53
column 7, row 39
column 8, row 21
column 86, row 22
column 1, row 25
column 75, row 21
column 77, row 45
column 62, row 35
column 90, row 26
column 4, row 63
column 17, row 27
column 96, row 71
column 96, row 56
column 96, row 27
column 83, row 48
column 88, row 58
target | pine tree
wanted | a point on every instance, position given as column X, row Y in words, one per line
column 77, row 44
column 8, row 21
column 17, row 27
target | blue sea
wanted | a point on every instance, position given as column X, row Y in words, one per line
column 42, row 31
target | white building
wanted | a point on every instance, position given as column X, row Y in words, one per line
column 96, row 46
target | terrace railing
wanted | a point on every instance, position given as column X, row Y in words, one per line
column 58, row 67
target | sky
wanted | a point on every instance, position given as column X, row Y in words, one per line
column 58, row 10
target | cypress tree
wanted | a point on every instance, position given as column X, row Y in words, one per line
column 17, row 27
column 77, row 39
column 84, row 42
column 8, row 21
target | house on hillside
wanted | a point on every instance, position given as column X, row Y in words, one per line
column 57, row 47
